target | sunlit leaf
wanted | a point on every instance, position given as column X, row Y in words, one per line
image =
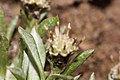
column 25, row 64
column 40, row 46
column 18, row 73
column 32, row 74
column 2, row 22
column 47, row 23
column 32, row 52
column 11, row 27
column 9, row 76
column 3, row 55
column 77, row 61
column 28, row 69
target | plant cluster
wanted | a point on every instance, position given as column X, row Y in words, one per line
column 41, row 41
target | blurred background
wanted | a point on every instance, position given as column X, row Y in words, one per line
column 97, row 20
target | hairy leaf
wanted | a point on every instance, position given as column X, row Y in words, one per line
column 32, row 52
column 18, row 73
column 77, row 61
column 28, row 69
column 40, row 46
column 25, row 64
column 32, row 74
column 9, row 76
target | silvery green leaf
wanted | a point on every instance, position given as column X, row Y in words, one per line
column 25, row 64
column 40, row 46
column 32, row 52
column 23, row 58
column 28, row 69
column 77, row 61
column 9, row 76
column 18, row 73
column 32, row 74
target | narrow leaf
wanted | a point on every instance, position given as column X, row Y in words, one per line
column 11, row 28
column 18, row 73
column 32, row 74
column 3, row 55
column 92, row 77
column 9, row 76
column 2, row 22
column 40, row 46
column 29, row 71
column 77, row 61
column 47, row 23
column 32, row 53
column 42, row 16
column 25, row 64
column 21, row 58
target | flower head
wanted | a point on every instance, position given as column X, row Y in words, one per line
column 61, row 43
column 41, row 3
